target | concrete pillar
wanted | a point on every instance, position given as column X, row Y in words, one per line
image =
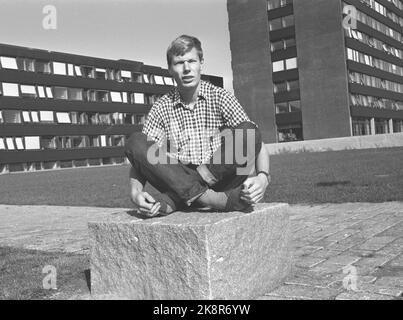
column 390, row 125
column 372, row 126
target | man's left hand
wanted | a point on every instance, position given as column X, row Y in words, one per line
column 254, row 189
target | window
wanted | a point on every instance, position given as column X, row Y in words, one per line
column 291, row 63
column 35, row 116
column 49, row 92
column 288, row 43
column 103, row 141
column 273, row 4
column 158, row 80
column 8, row 63
column 126, row 75
column 70, row 69
column 46, row 116
column 41, row 92
column 2, row 145
column 102, row 96
column 140, row 119
column 100, row 74
column 19, row 143
column 48, row 142
column 93, row 118
column 60, row 93
column 293, row 85
column 77, row 142
column 12, row 116
column 32, row 143
column 137, row 77
column 28, row 91
column 26, row 116
column 280, row 87
column 282, row 107
column 10, row 143
column 288, row 21
column 128, row 118
column 145, row 78
column 168, row 81
column 275, row 24
column 42, row 66
column 292, row 132
column 138, row 98
column 63, row 117
column 59, row 68
column 28, row 65
column 78, row 71
column 277, row 45
column 117, row 141
column 75, row 94
column 116, row 96
column 10, row 89
column 295, row 105
column 88, row 71
column 105, row 118
column 278, row 66
column 124, row 97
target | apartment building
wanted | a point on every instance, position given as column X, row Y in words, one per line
column 60, row 110
column 303, row 73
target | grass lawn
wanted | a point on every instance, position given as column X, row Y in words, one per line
column 372, row 175
column 21, row 276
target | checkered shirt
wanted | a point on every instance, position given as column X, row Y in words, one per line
column 193, row 134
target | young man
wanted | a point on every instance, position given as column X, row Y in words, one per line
column 203, row 133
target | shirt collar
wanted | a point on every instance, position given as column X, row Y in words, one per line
column 177, row 100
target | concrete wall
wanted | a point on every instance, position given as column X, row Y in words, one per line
column 322, row 69
column 335, row 144
column 251, row 66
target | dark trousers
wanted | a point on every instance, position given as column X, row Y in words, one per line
column 228, row 168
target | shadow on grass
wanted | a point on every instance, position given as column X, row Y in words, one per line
column 332, row 183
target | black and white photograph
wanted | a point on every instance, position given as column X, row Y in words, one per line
column 206, row 156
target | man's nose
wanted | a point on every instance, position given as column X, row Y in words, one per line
column 186, row 66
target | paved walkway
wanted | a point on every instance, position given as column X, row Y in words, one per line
column 341, row 251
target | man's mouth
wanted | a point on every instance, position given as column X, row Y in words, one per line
column 187, row 79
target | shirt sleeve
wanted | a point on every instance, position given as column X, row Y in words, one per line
column 154, row 125
column 232, row 111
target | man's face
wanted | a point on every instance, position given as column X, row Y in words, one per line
column 186, row 69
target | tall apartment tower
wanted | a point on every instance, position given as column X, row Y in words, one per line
column 304, row 70
column 60, row 110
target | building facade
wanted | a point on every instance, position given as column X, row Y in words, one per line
column 60, row 110
column 305, row 71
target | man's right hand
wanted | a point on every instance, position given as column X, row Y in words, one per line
column 145, row 203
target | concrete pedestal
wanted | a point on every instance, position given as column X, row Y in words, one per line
column 191, row 255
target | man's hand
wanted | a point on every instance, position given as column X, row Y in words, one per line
column 254, row 189
column 145, row 203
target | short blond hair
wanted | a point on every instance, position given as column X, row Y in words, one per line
column 182, row 45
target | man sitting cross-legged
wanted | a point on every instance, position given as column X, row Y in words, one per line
column 198, row 147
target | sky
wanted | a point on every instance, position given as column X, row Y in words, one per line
column 139, row 30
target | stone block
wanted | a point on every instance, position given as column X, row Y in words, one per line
column 191, row 255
